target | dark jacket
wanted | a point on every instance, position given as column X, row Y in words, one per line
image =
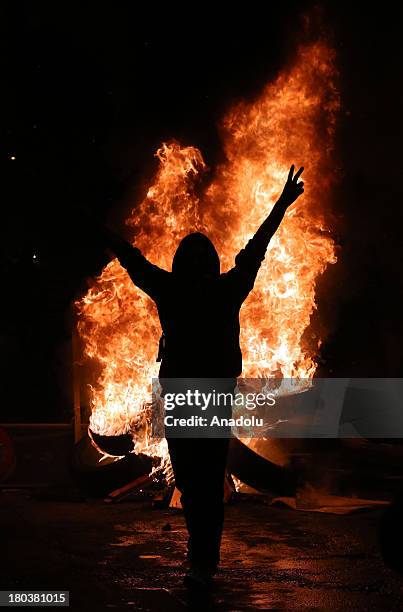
column 199, row 313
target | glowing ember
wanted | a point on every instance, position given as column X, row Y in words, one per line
column 291, row 122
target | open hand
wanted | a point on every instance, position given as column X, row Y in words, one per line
column 292, row 189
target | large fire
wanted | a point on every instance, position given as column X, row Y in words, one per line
column 292, row 121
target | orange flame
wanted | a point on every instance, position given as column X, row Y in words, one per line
column 292, row 121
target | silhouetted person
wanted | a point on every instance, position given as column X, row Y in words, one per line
column 199, row 309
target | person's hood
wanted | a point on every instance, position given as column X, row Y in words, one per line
column 196, row 254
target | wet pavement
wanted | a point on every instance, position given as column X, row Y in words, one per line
column 129, row 556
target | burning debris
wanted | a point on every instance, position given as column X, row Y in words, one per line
column 118, row 323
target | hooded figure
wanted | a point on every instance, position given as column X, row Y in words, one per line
column 199, row 313
column 199, row 309
column 196, row 255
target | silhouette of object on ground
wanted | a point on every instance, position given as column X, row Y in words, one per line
column 391, row 534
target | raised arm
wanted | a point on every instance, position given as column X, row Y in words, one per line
column 144, row 274
column 293, row 188
column 249, row 259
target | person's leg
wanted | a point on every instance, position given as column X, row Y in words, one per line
column 181, row 459
column 199, row 468
column 203, row 500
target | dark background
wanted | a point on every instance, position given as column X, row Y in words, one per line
column 90, row 90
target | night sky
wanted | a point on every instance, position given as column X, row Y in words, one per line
column 88, row 94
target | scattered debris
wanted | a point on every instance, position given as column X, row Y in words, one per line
column 136, row 485
column 329, row 504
